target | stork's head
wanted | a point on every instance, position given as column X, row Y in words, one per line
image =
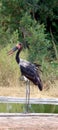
column 19, row 47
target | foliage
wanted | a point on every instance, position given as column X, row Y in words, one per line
column 47, row 13
column 36, row 38
column 12, row 14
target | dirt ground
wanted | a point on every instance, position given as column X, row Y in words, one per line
column 37, row 122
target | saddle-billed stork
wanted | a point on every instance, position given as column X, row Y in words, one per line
column 29, row 70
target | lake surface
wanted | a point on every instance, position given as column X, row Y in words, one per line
column 36, row 108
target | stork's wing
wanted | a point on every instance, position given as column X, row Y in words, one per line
column 34, row 66
column 30, row 71
column 32, row 75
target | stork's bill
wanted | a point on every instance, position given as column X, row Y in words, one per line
column 17, row 47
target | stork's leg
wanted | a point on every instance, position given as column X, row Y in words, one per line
column 27, row 103
column 27, row 95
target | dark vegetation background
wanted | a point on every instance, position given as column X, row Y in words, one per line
column 35, row 24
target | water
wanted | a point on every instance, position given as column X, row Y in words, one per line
column 36, row 108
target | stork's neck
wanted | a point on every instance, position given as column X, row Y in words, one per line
column 17, row 57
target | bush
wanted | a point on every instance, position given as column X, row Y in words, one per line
column 36, row 38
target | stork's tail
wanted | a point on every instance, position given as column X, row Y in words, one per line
column 40, row 85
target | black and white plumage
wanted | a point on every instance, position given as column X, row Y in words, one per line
column 29, row 70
